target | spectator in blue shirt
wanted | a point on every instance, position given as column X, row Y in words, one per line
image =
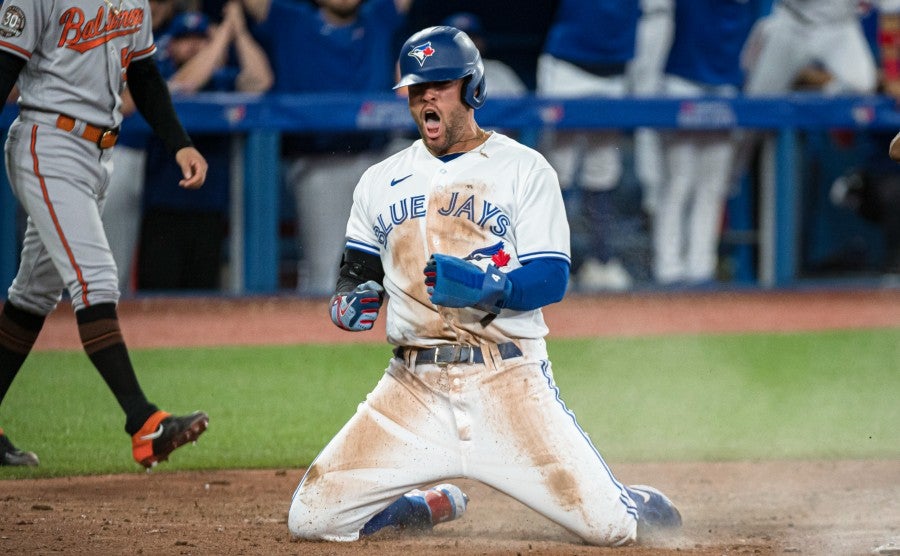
column 332, row 46
column 182, row 234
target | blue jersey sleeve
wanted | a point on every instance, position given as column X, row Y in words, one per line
column 539, row 282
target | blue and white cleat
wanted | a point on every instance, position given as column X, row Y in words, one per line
column 420, row 510
column 655, row 510
column 445, row 502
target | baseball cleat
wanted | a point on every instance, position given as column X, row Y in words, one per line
column 162, row 433
column 10, row 455
column 420, row 510
column 445, row 502
column 655, row 510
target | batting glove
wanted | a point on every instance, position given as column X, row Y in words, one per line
column 356, row 311
column 453, row 282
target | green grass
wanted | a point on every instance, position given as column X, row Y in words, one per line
column 737, row 397
column 719, row 397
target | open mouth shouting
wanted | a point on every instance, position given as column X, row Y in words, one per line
column 431, row 124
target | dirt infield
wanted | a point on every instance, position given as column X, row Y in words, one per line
column 769, row 507
column 286, row 320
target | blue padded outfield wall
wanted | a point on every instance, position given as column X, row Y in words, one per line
column 256, row 123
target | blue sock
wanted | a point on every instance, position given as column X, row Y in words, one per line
column 402, row 513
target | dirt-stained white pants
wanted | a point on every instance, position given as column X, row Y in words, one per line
column 501, row 423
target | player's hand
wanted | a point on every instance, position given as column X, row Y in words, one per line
column 356, row 311
column 453, row 282
column 193, row 167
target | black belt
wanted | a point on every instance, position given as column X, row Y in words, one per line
column 456, row 353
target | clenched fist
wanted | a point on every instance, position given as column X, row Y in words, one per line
column 453, row 282
column 357, row 310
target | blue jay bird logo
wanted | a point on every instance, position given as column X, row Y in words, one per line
column 494, row 252
column 422, row 52
column 484, row 252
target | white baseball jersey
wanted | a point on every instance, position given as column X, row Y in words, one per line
column 499, row 421
column 499, row 204
column 78, row 51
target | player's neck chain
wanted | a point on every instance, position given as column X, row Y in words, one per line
column 481, row 137
column 479, row 140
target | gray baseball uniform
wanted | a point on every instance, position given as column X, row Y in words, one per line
column 57, row 153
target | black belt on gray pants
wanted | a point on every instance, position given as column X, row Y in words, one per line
column 456, row 353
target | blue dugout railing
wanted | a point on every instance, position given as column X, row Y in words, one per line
column 258, row 122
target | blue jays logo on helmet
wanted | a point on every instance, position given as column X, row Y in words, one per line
column 443, row 53
column 422, row 53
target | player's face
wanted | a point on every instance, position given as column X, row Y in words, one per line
column 445, row 123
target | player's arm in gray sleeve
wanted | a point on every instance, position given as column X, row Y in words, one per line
column 358, row 267
column 10, row 67
column 152, row 99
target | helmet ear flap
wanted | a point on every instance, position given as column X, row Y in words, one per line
column 474, row 90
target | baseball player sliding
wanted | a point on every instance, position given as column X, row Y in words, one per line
column 70, row 59
column 466, row 234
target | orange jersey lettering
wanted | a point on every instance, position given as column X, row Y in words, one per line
column 81, row 34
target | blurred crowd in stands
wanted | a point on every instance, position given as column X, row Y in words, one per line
column 647, row 209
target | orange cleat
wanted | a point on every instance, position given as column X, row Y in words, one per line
column 162, row 433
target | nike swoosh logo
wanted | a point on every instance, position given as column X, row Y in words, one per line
column 343, row 310
column 153, row 435
column 398, row 180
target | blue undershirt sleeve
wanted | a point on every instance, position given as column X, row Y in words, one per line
column 537, row 283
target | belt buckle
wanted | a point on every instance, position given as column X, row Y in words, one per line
column 463, row 353
column 104, row 135
column 452, row 353
column 437, row 354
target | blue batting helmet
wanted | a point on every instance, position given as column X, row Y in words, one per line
column 443, row 54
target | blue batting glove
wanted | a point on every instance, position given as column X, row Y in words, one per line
column 356, row 311
column 453, row 282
